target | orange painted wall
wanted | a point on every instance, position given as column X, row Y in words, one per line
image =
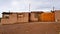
column 47, row 17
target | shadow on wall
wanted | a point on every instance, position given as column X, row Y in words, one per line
column 0, row 20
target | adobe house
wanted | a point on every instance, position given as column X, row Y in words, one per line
column 13, row 17
column 40, row 16
column 34, row 16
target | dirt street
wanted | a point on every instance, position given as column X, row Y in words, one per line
column 30, row 28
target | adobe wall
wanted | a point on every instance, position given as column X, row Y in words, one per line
column 57, row 16
column 33, row 17
column 12, row 19
column 23, row 18
column 47, row 17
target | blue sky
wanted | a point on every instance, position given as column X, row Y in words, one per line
column 23, row 5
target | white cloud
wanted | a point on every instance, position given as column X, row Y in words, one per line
column 22, row 4
column 14, row 3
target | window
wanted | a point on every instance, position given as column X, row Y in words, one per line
column 20, row 15
column 36, row 15
column 6, row 16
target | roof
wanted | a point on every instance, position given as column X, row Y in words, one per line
column 22, row 12
column 6, row 13
column 13, row 12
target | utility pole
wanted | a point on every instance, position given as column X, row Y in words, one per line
column 9, row 11
column 29, row 6
column 29, row 13
column 53, row 8
column 53, row 5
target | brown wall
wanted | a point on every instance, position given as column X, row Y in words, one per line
column 57, row 16
column 47, row 17
column 13, row 18
column 33, row 17
column 23, row 18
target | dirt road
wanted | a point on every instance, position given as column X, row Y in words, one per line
column 30, row 28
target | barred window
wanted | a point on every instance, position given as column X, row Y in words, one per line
column 21, row 15
column 36, row 15
column 6, row 16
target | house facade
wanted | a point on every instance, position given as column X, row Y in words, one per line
column 34, row 16
column 10, row 18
